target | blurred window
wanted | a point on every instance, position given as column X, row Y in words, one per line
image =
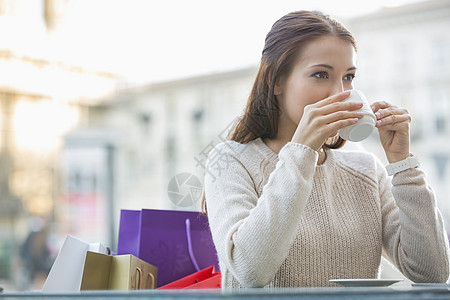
column 440, row 109
column 403, row 55
column 439, row 52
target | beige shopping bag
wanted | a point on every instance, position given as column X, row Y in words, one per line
column 121, row 272
column 131, row 273
column 96, row 272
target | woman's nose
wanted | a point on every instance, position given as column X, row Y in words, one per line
column 338, row 87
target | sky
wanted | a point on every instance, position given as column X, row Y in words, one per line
column 153, row 41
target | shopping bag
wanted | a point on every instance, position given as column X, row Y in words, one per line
column 67, row 270
column 131, row 273
column 96, row 271
column 203, row 279
column 120, row 272
column 178, row 243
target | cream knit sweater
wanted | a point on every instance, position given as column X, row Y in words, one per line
column 284, row 221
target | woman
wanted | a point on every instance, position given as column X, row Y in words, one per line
column 286, row 208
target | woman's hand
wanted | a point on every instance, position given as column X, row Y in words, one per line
column 393, row 129
column 322, row 120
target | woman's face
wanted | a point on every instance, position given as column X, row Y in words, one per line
column 325, row 67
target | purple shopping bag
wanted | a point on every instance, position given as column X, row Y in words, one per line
column 179, row 243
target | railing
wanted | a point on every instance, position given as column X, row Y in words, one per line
column 366, row 293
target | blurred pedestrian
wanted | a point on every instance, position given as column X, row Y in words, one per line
column 34, row 252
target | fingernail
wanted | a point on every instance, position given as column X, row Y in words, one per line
column 377, row 114
column 373, row 108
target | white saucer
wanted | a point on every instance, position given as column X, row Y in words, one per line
column 365, row 282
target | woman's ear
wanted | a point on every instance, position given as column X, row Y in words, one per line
column 278, row 90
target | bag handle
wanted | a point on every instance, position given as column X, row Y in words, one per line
column 151, row 280
column 189, row 242
column 150, row 283
column 137, row 280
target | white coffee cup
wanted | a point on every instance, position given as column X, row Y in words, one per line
column 361, row 130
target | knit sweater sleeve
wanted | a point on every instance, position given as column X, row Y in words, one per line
column 413, row 231
column 253, row 234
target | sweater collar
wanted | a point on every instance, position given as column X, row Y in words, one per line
column 270, row 154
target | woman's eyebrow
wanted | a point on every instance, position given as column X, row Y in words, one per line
column 323, row 66
column 330, row 67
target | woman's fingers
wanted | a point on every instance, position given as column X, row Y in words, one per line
column 342, row 116
column 333, row 104
column 379, row 105
column 323, row 118
column 335, row 126
column 393, row 119
column 397, row 127
column 393, row 127
column 389, row 115
column 333, row 99
column 383, row 106
column 332, row 114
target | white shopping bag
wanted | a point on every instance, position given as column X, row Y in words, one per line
column 67, row 270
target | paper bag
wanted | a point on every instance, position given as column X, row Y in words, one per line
column 178, row 243
column 96, row 271
column 204, row 279
column 67, row 270
column 121, row 272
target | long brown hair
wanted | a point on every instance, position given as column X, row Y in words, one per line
column 282, row 46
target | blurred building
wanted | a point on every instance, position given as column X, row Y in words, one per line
column 169, row 127
column 164, row 129
column 404, row 58
column 78, row 150
column 43, row 95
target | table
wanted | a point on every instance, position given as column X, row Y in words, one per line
column 416, row 292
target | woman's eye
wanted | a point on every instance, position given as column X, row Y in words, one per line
column 321, row 75
column 349, row 77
